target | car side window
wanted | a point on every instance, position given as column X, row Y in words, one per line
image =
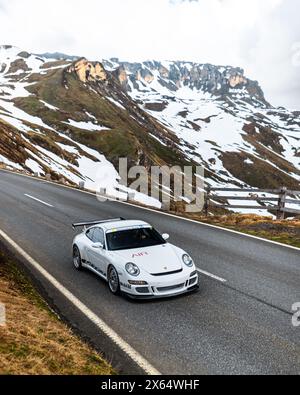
column 90, row 234
column 98, row 236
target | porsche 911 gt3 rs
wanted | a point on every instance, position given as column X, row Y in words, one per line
column 134, row 259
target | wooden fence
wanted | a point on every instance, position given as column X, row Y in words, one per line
column 284, row 197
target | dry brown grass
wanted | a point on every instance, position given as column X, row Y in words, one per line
column 286, row 231
column 35, row 341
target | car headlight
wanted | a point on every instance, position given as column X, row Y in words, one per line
column 132, row 269
column 187, row 260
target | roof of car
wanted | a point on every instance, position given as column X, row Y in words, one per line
column 123, row 224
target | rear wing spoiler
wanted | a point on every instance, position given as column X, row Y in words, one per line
column 91, row 223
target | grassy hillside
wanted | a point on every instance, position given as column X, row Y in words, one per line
column 130, row 132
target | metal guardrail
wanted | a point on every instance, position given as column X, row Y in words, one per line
column 282, row 199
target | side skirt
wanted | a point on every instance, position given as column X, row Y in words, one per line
column 93, row 269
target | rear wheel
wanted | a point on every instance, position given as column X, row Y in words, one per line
column 113, row 280
column 77, row 258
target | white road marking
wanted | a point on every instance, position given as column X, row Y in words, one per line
column 222, row 280
column 38, row 200
column 122, row 344
column 163, row 213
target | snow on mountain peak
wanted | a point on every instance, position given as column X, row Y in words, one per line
column 152, row 112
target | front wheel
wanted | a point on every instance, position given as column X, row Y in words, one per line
column 77, row 258
column 113, row 280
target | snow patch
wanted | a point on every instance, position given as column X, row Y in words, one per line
column 116, row 103
column 49, row 106
column 86, row 126
column 34, row 166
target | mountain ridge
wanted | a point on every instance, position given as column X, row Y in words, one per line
column 154, row 113
column 217, row 80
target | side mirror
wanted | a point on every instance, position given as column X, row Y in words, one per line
column 165, row 236
column 98, row 246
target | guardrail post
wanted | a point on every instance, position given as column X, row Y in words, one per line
column 131, row 196
column 281, row 204
column 207, row 201
column 81, row 184
column 103, row 191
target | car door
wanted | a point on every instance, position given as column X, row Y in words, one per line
column 88, row 245
column 97, row 256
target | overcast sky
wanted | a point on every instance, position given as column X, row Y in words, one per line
column 262, row 36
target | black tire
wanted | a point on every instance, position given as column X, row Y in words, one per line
column 77, row 262
column 113, row 280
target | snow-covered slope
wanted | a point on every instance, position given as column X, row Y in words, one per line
column 222, row 119
column 37, row 144
column 16, row 67
column 75, row 119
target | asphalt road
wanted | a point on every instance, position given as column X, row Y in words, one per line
column 242, row 325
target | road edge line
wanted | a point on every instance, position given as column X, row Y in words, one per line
column 106, row 329
column 211, row 275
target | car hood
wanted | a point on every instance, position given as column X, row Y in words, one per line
column 154, row 260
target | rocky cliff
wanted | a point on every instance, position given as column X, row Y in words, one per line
column 219, row 81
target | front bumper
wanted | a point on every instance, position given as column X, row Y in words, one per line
column 174, row 285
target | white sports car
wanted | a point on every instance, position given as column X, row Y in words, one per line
column 134, row 259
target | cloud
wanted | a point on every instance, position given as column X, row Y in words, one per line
column 2, row 6
column 182, row 1
column 270, row 51
column 256, row 35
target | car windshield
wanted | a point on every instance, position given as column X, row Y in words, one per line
column 134, row 238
